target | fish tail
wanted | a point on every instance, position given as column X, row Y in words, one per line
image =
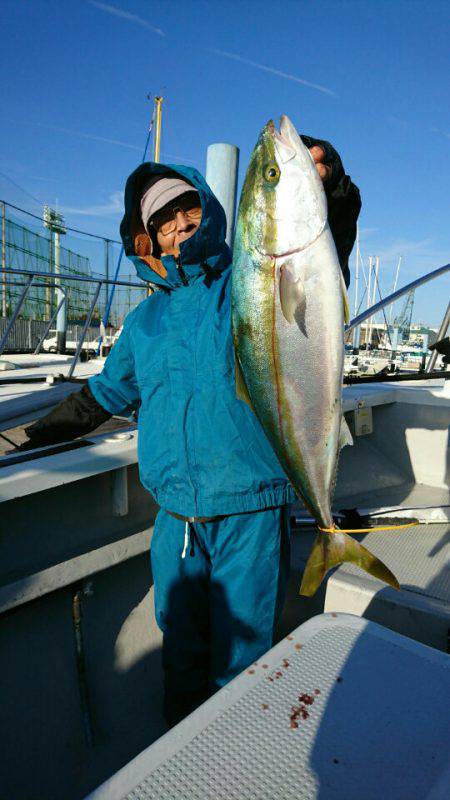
column 331, row 549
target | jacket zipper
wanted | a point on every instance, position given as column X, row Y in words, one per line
column 181, row 271
column 185, row 282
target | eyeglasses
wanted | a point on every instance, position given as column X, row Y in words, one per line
column 164, row 220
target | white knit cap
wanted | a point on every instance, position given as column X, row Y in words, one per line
column 158, row 193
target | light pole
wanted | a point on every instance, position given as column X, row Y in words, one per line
column 55, row 223
column 4, row 296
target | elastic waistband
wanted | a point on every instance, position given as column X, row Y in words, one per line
column 218, row 517
column 196, row 519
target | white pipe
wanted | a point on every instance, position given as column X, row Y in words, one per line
column 222, row 163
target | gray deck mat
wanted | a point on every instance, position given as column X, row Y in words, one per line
column 375, row 724
column 418, row 556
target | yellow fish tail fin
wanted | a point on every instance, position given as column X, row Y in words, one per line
column 330, row 550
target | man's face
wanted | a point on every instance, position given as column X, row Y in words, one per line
column 176, row 222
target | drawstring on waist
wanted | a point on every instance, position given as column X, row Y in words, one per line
column 186, row 539
column 188, row 533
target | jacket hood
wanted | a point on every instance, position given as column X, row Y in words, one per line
column 204, row 252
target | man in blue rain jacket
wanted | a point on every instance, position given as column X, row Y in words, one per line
column 220, row 548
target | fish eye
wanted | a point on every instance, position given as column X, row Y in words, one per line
column 272, row 173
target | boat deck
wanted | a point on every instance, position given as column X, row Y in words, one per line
column 76, row 528
column 338, row 705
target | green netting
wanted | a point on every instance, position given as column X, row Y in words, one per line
column 29, row 246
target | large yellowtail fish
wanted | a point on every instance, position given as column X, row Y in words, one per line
column 288, row 306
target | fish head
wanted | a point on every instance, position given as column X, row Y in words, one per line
column 283, row 207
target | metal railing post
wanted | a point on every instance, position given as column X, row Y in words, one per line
column 4, row 297
column 16, row 312
column 84, row 331
column 51, row 321
column 441, row 333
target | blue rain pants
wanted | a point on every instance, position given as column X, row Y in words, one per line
column 217, row 606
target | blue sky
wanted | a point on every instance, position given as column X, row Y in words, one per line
column 371, row 77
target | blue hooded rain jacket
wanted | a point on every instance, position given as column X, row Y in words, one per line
column 202, row 452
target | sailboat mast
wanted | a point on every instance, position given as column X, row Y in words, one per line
column 158, row 122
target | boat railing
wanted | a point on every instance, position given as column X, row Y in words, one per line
column 98, row 283
column 391, row 298
column 33, row 279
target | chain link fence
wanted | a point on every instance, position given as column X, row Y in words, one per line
column 27, row 333
column 27, row 244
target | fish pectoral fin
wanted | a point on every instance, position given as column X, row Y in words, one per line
column 241, row 386
column 345, row 302
column 292, row 294
column 345, row 436
column 331, row 549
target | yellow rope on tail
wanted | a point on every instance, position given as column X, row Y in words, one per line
column 368, row 530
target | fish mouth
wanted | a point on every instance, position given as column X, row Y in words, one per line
column 284, row 152
column 284, row 148
column 288, row 145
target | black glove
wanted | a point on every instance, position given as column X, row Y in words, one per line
column 344, row 203
column 77, row 415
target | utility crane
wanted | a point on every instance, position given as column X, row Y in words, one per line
column 400, row 329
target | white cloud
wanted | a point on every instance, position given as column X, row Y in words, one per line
column 72, row 132
column 441, row 133
column 404, row 247
column 418, row 256
column 119, row 12
column 177, row 159
column 365, row 233
column 113, row 208
column 273, row 71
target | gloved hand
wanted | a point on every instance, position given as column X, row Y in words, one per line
column 77, row 415
column 327, row 160
column 344, row 201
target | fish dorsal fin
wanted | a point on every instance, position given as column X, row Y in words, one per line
column 241, row 387
column 345, row 302
column 292, row 292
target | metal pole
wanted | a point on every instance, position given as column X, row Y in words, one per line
column 82, row 279
column 85, row 327
column 4, row 297
column 369, row 286
column 119, row 260
column 158, row 109
column 441, row 334
column 357, row 331
column 356, row 270
column 106, row 271
column 395, row 285
column 61, row 317
column 120, row 492
column 16, row 312
column 222, row 162
column 77, row 613
column 375, row 284
column 49, row 290
column 50, row 322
